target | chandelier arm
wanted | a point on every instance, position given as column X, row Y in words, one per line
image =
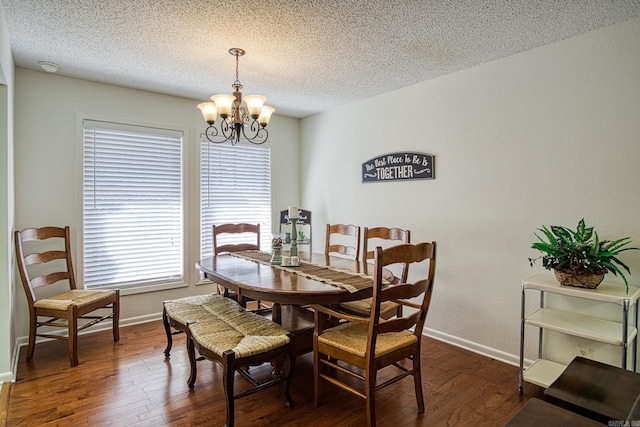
column 212, row 135
column 226, row 133
column 260, row 134
column 226, row 130
column 255, row 127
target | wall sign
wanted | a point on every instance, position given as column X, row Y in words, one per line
column 304, row 217
column 398, row 167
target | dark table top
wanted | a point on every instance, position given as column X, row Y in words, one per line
column 254, row 280
column 538, row 413
column 596, row 390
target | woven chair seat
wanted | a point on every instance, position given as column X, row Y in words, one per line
column 363, row 307
column 352, row 338
column 77, row 297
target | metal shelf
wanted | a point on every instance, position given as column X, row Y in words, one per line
column 543, row 372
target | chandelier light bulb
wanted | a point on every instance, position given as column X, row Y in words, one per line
column 209, row 111
column 224, row 103
column 254, row 104
column 265, row 115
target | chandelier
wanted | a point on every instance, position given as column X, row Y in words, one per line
column 246, row 121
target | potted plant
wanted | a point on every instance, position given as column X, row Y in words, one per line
column 580, row 258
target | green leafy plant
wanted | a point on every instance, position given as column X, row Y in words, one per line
column 582, row 249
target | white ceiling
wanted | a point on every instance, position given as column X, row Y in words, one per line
column 306, row 56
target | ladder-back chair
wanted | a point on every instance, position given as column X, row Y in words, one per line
column 393, row 235
column 43, row 263
column 361, row 345
column 347, row 242
column 251, row 241
column 371, row 237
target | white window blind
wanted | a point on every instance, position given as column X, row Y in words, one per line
column 132, row 205
column 235, row 187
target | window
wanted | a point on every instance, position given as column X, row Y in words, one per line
column 235, row 187
column 132, row 205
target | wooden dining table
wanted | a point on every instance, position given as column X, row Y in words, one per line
column 290, row 289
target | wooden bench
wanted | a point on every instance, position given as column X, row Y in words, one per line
column 188, row 308
column 225, row 332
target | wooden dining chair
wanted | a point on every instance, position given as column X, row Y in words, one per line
column 391, row 236
column 252, row 241
column 236, row 238
column 347, row 240
column 371, row 237
column 44, row 260
column 360, row 346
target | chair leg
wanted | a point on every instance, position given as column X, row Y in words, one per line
column 291, row 355
column 167, row 330
column 72, row 322
column 222, row 290
column 228, row 371
column 316, row 376
column 191, row 351
column 417, row 381
column 116, row 317
column 371, row 397
column 242, row 301
column 33, row 326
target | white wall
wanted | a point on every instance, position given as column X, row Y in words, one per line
column 7, row 290
column 48, row 162
column 548, row 136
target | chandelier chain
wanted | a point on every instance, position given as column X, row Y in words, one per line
column 237, row 83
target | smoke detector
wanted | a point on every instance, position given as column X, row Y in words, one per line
column 49, row 67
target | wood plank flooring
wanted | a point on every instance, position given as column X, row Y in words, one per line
column 4, row 403
column 130, row 383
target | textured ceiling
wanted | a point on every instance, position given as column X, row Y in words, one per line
column 306, row 56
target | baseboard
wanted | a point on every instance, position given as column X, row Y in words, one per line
column 492, row 353
column 20, row 342
column 11, row 376
column 7, row 377
column 104, row 326
column 125, row 322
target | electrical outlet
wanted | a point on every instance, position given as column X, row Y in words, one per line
column 584, row 351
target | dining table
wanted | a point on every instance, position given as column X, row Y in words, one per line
column 319, row 279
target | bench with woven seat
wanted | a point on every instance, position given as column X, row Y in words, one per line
column 225, row 332
column 180, row 311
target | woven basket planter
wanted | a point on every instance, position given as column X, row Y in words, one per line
column 580, row 278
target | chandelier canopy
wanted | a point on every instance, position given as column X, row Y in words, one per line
column 246, row 121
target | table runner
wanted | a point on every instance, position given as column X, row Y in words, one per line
column 347, row 280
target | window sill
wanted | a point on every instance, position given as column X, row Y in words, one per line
column 152, row 288
column 202, row 282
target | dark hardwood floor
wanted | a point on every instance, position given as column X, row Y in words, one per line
column 130, row 383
